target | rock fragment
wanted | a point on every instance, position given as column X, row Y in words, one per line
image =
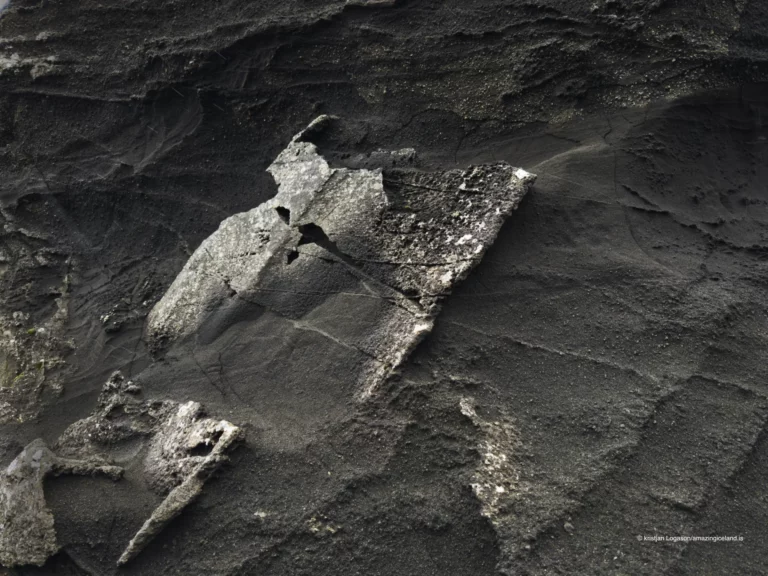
column 389, row 243
column 171, row 458
column 496, row 482
column 27, row 534
column 184, row 448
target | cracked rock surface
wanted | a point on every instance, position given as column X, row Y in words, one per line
column 395, row 242
column 604, row 364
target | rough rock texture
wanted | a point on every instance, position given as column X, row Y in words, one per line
column 32, row 357
column 399, row 238
column 616, row 327
column 184, row 448
column 27, row 533
column 496, row 481
column 172, row 464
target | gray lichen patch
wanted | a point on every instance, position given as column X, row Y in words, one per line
column 27, row 534
column 393, row 241
column 183, row 447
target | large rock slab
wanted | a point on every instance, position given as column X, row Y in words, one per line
column 362, row 256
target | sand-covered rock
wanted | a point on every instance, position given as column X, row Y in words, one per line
column 396, row 240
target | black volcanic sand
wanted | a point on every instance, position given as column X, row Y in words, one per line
column 618, row 321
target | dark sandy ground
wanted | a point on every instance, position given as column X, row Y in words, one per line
column 613, row 335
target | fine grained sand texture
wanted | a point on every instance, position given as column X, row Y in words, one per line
column 597, row 377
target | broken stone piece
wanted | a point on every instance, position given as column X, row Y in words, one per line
column 184, row 448
column 27, row 534
column 388, row 244
column 170, row 458
column 494, row 481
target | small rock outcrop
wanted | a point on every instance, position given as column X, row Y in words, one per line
column 172, row 463
column 183, row 447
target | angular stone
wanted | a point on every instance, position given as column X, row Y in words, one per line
column 395, row 241
column 184, row 447
column 27, row 534
column 172, row 464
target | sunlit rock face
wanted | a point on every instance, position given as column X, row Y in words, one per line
column 361, row 256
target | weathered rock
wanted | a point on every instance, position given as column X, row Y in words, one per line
column 27, row 534
column 32, row 352
column 496, row 481
column 396, row 240
column 184, row 447
column 171, row 460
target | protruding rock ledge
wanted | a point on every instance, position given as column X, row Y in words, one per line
column 392, row 243
column 170, row 464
